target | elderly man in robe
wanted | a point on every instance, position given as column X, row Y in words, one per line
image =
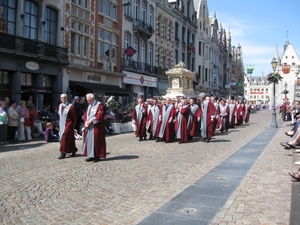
column 165, row 127
column 139, row 118
column 67, row 119
column 94, row 144
column 232, row 113
column 193, row 119
column 153, row 118
column 182, row 111
column 223, row 120
column 207, row 118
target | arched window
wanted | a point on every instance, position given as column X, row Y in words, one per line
column 127, row 40
column 31, row 20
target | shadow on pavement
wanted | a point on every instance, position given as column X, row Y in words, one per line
column 122, row 157
column 19, row 146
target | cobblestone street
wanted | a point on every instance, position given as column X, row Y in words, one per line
column 137, row 178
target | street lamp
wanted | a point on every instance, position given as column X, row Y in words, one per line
column 274, row 119
column 285, row 91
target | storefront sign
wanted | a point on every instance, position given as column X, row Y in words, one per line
column 32, row 65
column 95, row 78
column 138, row 79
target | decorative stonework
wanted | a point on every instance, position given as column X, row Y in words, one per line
column 180, row 82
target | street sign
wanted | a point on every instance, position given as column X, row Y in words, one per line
column 232, row 84
column 227, row 86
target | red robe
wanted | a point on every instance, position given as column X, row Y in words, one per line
column 167, row 133
column 152, row 120
column 210, row 119
column 232, row 115
column 223, row 120
column 140, row 125
column 67, row 140
column 97, row 132
column 247, row 113
column 184, row 111
column 240, row 114
column 193, row 126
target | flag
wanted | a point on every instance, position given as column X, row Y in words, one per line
column 130, row 51
column 192, row 48
column 286, row 68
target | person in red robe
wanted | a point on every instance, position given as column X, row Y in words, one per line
column 232, row 113
column 182, row 111
column 165, row 126
column 207, row 119
column 94, row 144
column 195, row 114
column 247, row 112
column 139, row 118
column 240, row 113
column 67, row 119
column 153, row 118
column 223, row 120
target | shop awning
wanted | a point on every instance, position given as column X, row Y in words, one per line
column 105, row 89
column 36, row 90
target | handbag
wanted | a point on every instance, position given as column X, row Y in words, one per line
column 22, row 120
column 2, row 118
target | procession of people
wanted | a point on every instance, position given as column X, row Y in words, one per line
column 182, row 119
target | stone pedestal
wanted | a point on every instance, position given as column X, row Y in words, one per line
column 180, row 82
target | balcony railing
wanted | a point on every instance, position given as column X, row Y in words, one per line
column 141, row 67
column 38, row 49
column 144, row 29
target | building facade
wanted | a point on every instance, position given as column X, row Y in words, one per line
column 32, row 50
column 138, row 47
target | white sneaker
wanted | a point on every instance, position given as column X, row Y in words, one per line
column 297, row 150
column 297, row 163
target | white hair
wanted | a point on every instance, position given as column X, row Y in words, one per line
column 63, row 95
column 90, row 95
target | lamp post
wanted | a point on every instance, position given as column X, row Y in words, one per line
column 285, row 91
column 274, row 119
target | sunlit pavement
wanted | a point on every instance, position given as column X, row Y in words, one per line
column 138, row 178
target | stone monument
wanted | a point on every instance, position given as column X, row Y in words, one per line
column 180, row 82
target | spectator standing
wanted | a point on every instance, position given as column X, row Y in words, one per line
column 3, row 123
column 94, row 144
column 23, row 123
column 13, row 121
column 7, row 101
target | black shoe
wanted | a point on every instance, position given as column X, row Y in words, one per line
column 140, row 139
column 145, row 138
column 89, row 159
column 179, row 141
column 204, row 139
column 157, row 139
column 62, row 156
column 73, row 154
column 97, row 159
column 207, row 140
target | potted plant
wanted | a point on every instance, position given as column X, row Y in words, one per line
column 274, row 78
column 113, row 106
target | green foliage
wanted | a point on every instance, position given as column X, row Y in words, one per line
column 130, row 107
column 113, row 106
column 274, row 78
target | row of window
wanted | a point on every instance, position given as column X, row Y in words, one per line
column 30, row 20
column 26, row 79
column 108, row 8
column 139, row 10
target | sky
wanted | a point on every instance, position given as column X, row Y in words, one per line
column 258, row 25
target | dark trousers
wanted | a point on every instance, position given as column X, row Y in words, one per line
column 11, row 133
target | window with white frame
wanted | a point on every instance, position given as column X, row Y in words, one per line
column 150, row 54
column 136, row 12
column 135, row 46
column 127, row 40
column 79, row 39
column 144, row 12
column 151, row 16
column 107, row 45
column 143, row 53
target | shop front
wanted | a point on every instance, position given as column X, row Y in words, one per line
column 145, row 86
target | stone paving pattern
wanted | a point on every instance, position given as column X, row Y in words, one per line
column 137, row 178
